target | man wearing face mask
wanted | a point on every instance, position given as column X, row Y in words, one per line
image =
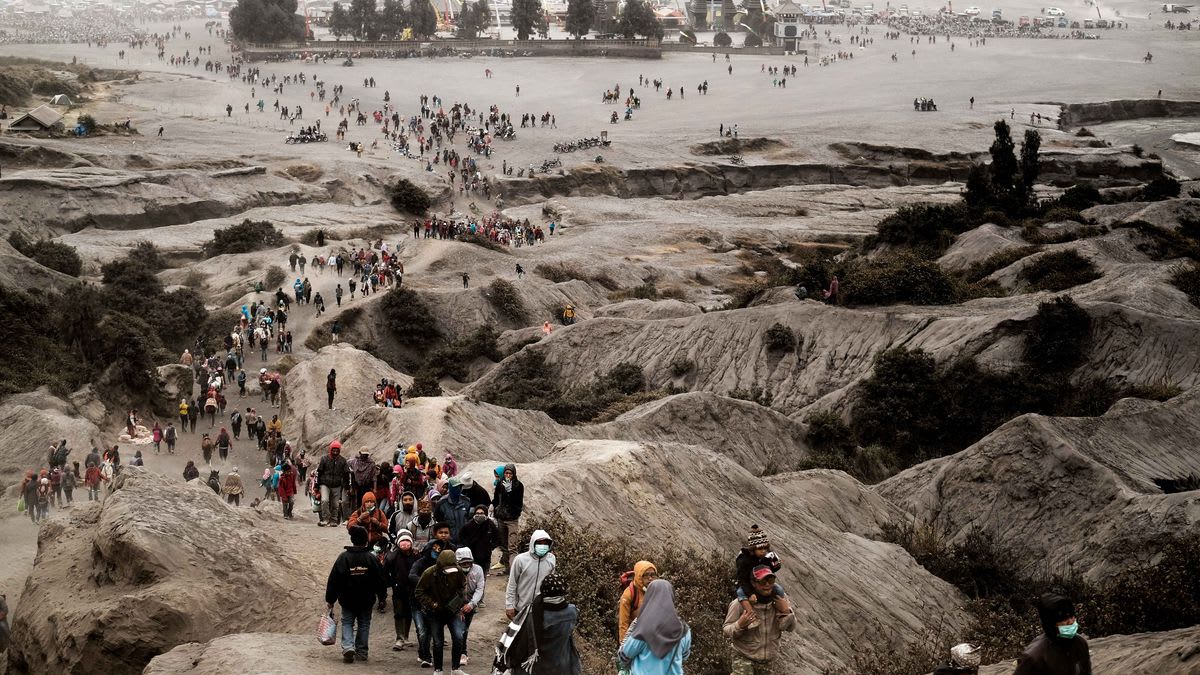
column 1059, row 650
column 397, row 566
column 480, row 535
column 421, row 617
column 454, row 510
column 527, row 572
column 422, row 526
column 370, row 517
column 404, row 513
column 472, row 591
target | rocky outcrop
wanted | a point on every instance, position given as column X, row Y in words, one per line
column 30, row 422
column 53, row 200
column 1174, row 652
column 156, row 564
column 977, row 245
column 1079, row 114
column 1059, row 493
column 304, row 405
column 649, row 309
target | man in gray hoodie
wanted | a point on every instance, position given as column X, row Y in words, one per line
column 527, row 571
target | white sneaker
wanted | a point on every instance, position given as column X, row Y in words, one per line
column 464, row 660
column 399, row 646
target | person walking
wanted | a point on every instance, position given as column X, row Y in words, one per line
column 396, row 567
column 551, row 622
column 370, row 517
column 755, row 633
column 658, row 641
column 286, row 489
column 440, row 592
column 454, row 509
column 480, row 535
column 527, row 572
column 333, row 475
column 475, row 580
column 170, row 436
column 508, row 501
column 331, row 386
column 232, row 488
column 355, row 581
column 1059, row 650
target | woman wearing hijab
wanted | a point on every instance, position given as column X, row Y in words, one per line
column 659, row 641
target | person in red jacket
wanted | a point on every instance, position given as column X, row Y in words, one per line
column 287, row 489
column 371, row 518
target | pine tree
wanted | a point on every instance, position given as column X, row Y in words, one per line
column 526, row 17
column 581, row 14
column 1004, row 165
column 1029, row 166
column 393, row 19
column 422, row 18
column 339, row 23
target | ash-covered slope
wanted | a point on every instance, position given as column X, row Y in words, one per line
column 1067, row 492
column 1174, row 652
column 693, row 497
column 156, row 564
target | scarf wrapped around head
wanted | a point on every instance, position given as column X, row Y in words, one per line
column 658, row 624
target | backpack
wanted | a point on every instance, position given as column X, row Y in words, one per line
column 626, row 580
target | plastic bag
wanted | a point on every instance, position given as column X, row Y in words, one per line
column 21, row 504
column 327, row 629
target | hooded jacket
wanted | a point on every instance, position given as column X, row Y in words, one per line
column 509, row 504
column 1050, row 654
column 630, row 603
column 398, row 564
column 371, row 518
column 481, row 538
column 526, row 573
column 760, row 643
column 356, row 580
column 333, row 471
column 455, row 511
column 440, row 588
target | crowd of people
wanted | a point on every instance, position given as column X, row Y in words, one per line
column 99, row 27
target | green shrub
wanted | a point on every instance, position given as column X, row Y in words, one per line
column 425, row 383
column 1058, row 338
column 1058, row 271
column 1163, row 187
column 407, row 316
column 681, row 365
column 528, row 382
column 827, row 431
column 998, row 261
column 897, row 278
column 779, row 338
column 85, row 120
column 927, row 227
column 275, row 277
column 453, row 359
column 752, row 40
column 505, row 297
column 645, row 291
column 1165, row 244
column 722, row 40
column 1084, row 132
column 920, row 411
column 1077, row 198
column 1187, row 279
column 47, row 253
column 316, row 236
column 245, row 237
column 407, row 197
column 592, row 563
column 561, row 272
column 870, row 465
column 1142, row 598
column 755, row 394
column 1060, row 214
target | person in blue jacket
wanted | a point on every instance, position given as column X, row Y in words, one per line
column 658, row 641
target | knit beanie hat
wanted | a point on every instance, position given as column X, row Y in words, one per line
column 756, row 538
column 554, row 586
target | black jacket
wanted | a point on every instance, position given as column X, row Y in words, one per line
column 1050, row 654
column 508, row 505
column 333, row 471
column 356, row 580
column 481, row 539
column 397, row 566
column 477, row 495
